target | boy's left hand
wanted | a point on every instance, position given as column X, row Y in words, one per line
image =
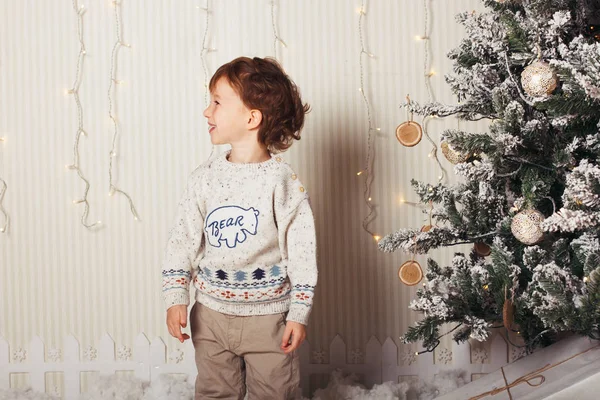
column 297, row 332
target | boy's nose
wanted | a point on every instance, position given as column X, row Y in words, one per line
column 206, row 112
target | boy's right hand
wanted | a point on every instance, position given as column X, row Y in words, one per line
column 177, row 318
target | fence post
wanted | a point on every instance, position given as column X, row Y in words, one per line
column 71, row 374
column 373, row 362
column 389, row 363
column 4, row 360
column 141, row 355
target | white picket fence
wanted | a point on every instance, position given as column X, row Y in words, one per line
column 148, row 360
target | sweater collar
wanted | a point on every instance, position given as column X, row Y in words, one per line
column 252, row 167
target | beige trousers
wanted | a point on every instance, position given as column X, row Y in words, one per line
column 238, row 353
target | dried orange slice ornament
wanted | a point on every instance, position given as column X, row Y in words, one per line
column 409, row 133
column 410, row 273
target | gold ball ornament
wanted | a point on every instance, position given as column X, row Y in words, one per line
column 410, row 273
column 452, row 155
column 539, row 79
column 526, row 226
column 409, row 133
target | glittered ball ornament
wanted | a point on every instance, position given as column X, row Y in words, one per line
column 539, row 79
column 526, row 226
column 453, row 155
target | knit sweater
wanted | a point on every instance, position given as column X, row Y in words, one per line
column 244, row 234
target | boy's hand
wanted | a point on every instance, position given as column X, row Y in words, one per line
column 177, row 318
column 297, row 332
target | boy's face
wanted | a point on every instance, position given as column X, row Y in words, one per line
column 228, row 117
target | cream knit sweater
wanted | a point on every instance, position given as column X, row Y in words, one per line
column 245, row 236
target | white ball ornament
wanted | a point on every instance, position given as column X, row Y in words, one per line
column 526, row 226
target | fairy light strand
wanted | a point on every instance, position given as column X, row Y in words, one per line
column 368, row 169
column 205, row 49
column 276, row 37
column 112, row 155
column 428, row 73
column 3, row 189
column 75, row 166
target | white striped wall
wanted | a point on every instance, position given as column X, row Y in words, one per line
column 57, row 278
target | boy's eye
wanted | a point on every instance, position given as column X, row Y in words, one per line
column 216, row 102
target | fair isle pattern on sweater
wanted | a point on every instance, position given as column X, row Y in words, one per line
column 244, row 237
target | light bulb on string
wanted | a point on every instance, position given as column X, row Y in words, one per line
column 368, row 169
column 118, row 25
column 79, row 10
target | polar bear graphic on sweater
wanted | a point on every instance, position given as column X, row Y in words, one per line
column 230, row 224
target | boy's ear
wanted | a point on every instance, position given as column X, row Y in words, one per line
column 254, row 119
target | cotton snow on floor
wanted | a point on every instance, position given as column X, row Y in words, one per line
column 341, row 386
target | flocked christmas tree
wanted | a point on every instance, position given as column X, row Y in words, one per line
column 529, row 197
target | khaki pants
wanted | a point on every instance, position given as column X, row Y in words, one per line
column 239, row 353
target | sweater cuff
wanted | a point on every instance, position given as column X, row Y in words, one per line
column 299, row 313
column 177, row 297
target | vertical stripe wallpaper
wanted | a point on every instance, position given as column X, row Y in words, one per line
column 57, row 277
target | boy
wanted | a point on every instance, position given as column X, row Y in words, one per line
column 245, row 236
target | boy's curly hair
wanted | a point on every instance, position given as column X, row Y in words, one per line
column 262, row 84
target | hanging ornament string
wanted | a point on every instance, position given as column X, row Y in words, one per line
column 276, row 37
column 368, row 169
column 427, row 228
column 75, row 166
column 409, row 133
column 428, row 72
column 3, row 189
column 113, row 64
column 411, row 273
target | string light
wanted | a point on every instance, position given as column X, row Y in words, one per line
column 276, row 37
column 429, row 72
column 3, row 188
column 205, row 49
column 74, row 90
column 586, row 279
column 369, row 162
column 113, row 62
